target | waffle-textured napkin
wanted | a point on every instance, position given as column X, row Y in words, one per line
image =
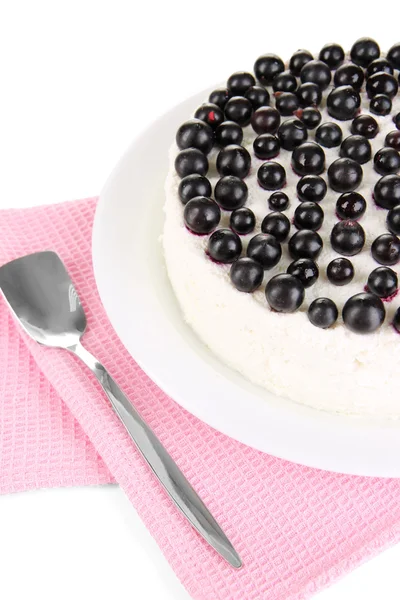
column 296, row 529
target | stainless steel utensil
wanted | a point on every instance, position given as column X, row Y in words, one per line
column 42, row 296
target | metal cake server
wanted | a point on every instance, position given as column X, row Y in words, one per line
column 42, row 296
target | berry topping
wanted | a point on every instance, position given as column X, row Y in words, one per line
column 332, row 55
column 380, row 105
column 284, row 82
column 286, row 103
column 266, row 146
column 382, row 83
column 323, row 313
column 347, row 238
column 230, row 192
column 292, row 133
column 386, row 161
column 311, row 188
column 393, row 220
column 365, row 125
column 308, row 159
column 382, row 282
column 298, row 60
column 396, row 320
column 340, row 271
column 267, row 67
column 271, row 176
column 386, row 249
column 393, row 56
column 239, row 110
column 329, row 135
column 192, row 186
column 364, row 51
column 309, row 94
column 242, row 221
column 308, row 215
column 316, row 71
column 387, row 191
column 396, row 120
column 228, row 133
column 343, row 103
column 278, row 201
column 195, row 134
column 363, row 313
column 304, row 269
column 351, row 205
column 240, row 82
column 201, row 215
column 246, row 274
column 380, row 65
column 224, row 246
column 356, row 147
column 276, row 224
column 284, row 293
column 211, row 114
column 258, row 96
column 345, row 175
column 310, row 116
column 393, row 140
column 265, row 120
column 305, row 244
column 191, row 161
column 220, row 97
column 234, row 160
column 265, row 249
column 349, row 74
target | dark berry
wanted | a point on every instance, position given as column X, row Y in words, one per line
column 380, row 105
column 239, row 110
column 258, row 96
column 224, row 246
column 386, row 249
column 340, row 271
column 310, row 116
column 265, row 249
column 305, row 244
column 316, row 71
column 267, row 67
column 308, row 215
column 323, row 313
column 246, row 274
column 234, row 160
column 380, row 65
column 343, row 103
column 278, row 201
column 191, row 161
column 220, row 97
column 393, row 56
column 304, row 269
column 266, row 146
column 309, row 94
column 347, row 238
column 292, row 133
column 329, row 135
column 284, row 82
column 382, row 282
column 382, row 83
column 201, row 215
column 396, row 320
column 386, row 161
column 393, row 220
column 230, row 192
column 271, row 176
column 356, row 147
column 364, row 51
column 311, row 188
column 365, row 125
column 211, row 114
column 345, row 175
column 242, row 221
column 396, row 120
column 284, row 293
column 332, row 55
column 276, row 224
column 298, row 60
column 308, row 159
column 349, row 74
column 240, row 82
column 192, row 186
column 195, row 134
column 387, row 191
column 363, row 313
column 393, row 140
column 228, row 133
column 265, row 120
column 351, row 205
column 286, row 103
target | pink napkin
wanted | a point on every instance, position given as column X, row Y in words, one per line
column 296, row 529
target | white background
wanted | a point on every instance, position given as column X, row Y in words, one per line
column 78, row 80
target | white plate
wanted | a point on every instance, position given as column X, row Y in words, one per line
column 135, row 290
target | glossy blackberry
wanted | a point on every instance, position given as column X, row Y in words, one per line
column 343, row 103
column 393, row 56
column 382, row 83
column 292, row 133
column 311, row 188
column 382, row 282
column 363, row 313
column 365, row 125
column 238, row 83
column 340, row 271
column 278, row 201
column 220, row 97
column 224, row 246
column 386, row 249
column 228, row 133
column 298, row 60
column 284, row 293
column 191, row 161
column 276, row 224
column 192, row 186
column 284, row 82
column 271, row 176
column 211, row 114
column 234, row 160
column 308, row 159
column 347, row 238
column 344, row 175
column 364, row 51
column 310, row 116
column 323, row 313
column 305, row 244
column 246, row 274
column 304, row 269
column 239, row 110
column 286, row 103
column 393, row 220
column 393, row 140
column 356, row 147
column 308, row 215
column 201, row 215
column 230, row 192
column 387, row 191
column 309, row 94
column 332, row 55
column 267, row 67
column 195, row 134
column 386, row 161
column 380, row 65
column 351, row 205
column 316, row 71
column 349, row 74
column 265, row 249
column 242, row 221
column 329, row 135
column 380, row 105
column 258, row 96
column 266, row 146
column 265, row 120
